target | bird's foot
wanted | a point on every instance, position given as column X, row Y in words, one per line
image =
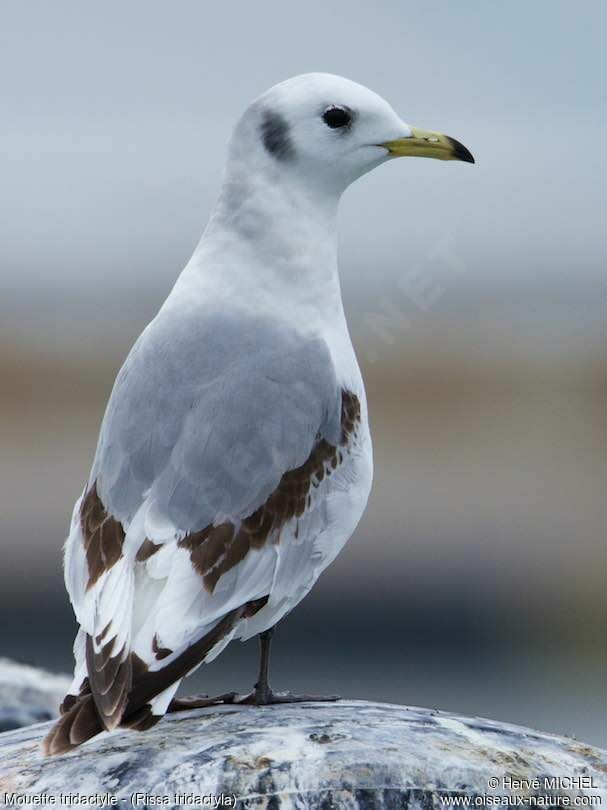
column 267, row 697
column 201, row 702
column 260, row 696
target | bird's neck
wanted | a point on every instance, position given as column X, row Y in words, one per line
column 272, row 244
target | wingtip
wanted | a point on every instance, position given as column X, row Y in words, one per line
column 79, row 724
column 55, row 743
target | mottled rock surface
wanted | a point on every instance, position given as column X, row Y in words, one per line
column 350, row 754
column 28, row 695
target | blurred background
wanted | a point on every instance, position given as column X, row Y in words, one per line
column 477, row 300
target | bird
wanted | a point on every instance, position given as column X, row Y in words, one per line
column 234, row 459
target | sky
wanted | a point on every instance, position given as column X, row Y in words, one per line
column 488, row 414
column 116, row 118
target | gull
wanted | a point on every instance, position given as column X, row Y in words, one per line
column 234, row 459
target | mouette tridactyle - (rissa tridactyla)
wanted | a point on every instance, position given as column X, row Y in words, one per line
column 234, row 459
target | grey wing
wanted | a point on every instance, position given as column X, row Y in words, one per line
column 206, row 417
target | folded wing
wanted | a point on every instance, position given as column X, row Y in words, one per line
column 217, row 432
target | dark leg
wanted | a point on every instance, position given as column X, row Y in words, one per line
column 262, row 687
column 262, row 694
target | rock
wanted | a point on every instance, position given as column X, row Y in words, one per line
column 350, row 754
column 28, row 695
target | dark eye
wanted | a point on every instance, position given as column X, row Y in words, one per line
column 336, row 117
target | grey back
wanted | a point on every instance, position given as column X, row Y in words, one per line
column 207, row 413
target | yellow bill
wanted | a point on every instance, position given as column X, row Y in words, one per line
column 424, row 143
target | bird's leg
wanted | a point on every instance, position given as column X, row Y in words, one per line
column 263, row 691
column 263, row 695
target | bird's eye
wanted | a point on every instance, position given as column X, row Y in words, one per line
column 336, row 117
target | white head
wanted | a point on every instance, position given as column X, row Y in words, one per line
column 325, row 131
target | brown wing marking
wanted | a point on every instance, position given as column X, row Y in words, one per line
column 78, row 724
column 215, row 550
column 103, row 536
column 159, row 652
column 146, row 550
column 110, row 679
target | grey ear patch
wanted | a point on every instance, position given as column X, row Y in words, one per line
column 276, row 137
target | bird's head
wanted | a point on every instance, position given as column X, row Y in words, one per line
column 325, row 130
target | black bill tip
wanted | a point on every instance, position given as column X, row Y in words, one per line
column 460, row 152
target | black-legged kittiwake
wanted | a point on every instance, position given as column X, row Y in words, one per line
column 234, row 459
